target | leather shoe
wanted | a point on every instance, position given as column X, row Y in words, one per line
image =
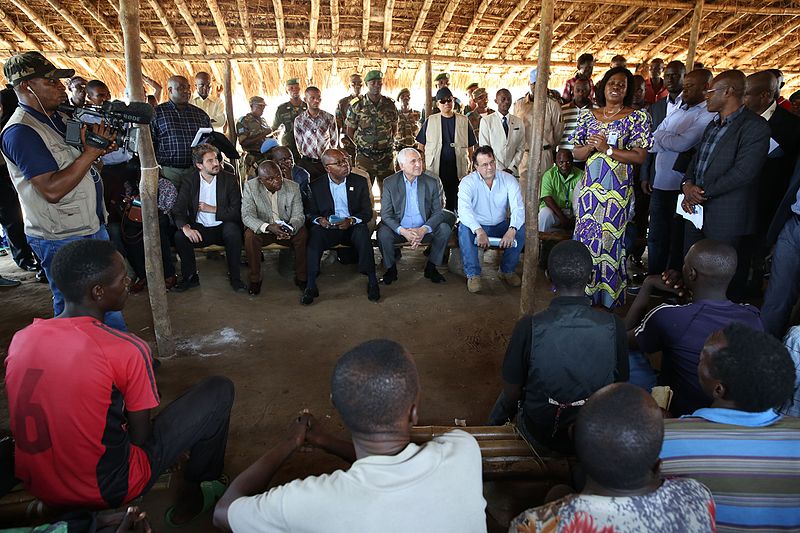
column 300, row 283
column 30, row 267
column 255, row 288
column 237, row 285
column 186, row 284
column 390, row 276
column 41, row 277
column 434, row 275
column 5, row 282
column 170, row 281
column 373, row 292
column 308, row 295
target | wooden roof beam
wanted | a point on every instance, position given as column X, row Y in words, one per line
column 753, row 8
column 387, row 24
column 151, row 46
column 777, row 36
column 280, row 27
column 313, row 23
column 183, row 9
column 579, row 27
column 423, row 14
column 504, row 26
column 366, row 6
column 244, row 20
column 534, row 49
column 335, row 25
column 476, row 20
column 219, row 22
column 532, row 24
column 27, row 40
column 729, row 44
column 447, row 16
column 676, row 35
column 41, row 24
column 72, row 21
column 162, row 17
column 609, row 28
column 661, row 30
column 8, row 45
column 772, row 59
column 96, row 15
column 641, row 17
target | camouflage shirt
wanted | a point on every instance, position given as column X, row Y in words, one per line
column 249, row 125
column 374, row 124
column 407, row 128
column 342, row 108
column 475, row 119
column 285, row 114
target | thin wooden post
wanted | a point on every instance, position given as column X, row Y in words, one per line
column 148, row 185
column 531, row 264
column 428, row 86
column 694, row 34
column 228, row 88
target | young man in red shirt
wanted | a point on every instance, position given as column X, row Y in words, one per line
column 80, row 395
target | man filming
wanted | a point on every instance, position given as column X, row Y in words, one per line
column 60, row 190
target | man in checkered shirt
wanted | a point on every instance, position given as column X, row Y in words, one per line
column 314, row 132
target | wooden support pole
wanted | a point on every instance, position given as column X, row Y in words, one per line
column 428, row 86
column 228, row 88
column 694, row 34
column 531, row 265
column 148, row 186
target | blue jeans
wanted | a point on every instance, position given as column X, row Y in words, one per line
column 45, row 250
column 469, row 250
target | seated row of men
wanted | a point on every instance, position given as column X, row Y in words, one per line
column 336, row 209
column 104, row 450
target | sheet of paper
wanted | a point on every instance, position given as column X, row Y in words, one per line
column 200, row 133
column 695, row 218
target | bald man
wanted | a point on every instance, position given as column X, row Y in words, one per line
column 679, row 331
column 174, row 125
column 723, row 175
column 209, row 103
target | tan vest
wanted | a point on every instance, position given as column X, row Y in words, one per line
column 75, row 215
column 433, row 144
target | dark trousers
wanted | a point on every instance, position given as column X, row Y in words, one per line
column 13, row 225
column 314, row 167
column 197, row 421
column 784, row 280
column 133, row 239
column 254, row 241
column 737, row 290
column 437, row 239
column 228, row 234
column 665, row 238
column 357, row 236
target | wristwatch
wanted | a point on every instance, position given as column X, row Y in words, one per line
column 610, row 151
column 512, row 227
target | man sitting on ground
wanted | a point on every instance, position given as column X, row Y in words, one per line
column 485, row 197
column 555, row 197
column 272, row 212
column 80, row 396
column 557, row 358
column 404, row 219
column 339, row 210
column 740, row 448
column 679, row 331
column 208, row 211
column 393, row 485
column 628, row 494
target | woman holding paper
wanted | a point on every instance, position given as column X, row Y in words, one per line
column 612, row 139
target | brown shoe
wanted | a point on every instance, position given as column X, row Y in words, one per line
column 512, row 279
column 138, row 285
column 474, row 284
column 171, row 281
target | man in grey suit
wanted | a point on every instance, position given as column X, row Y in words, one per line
column 723, row 175
column 272, row 212
column 411, row 211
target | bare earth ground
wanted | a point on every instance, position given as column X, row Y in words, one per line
column 280, row 354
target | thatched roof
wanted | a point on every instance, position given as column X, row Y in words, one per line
column 322, row 41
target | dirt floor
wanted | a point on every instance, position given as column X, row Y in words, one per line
column 280, row 354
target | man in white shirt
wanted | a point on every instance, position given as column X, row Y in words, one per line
column 393, row 485
column 485, row 196
column 208, row 103
column 505, row 133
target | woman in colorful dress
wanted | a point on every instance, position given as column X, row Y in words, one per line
column 612, row 139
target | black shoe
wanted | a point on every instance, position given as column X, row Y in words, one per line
column 301, row 284
column 237, row 285
column 434, row 275
column 308, row 295
column 186, row 284
column 255, row 288
column 373, row 292
column 390, row 276
column 638, row 278
column 30, row 267
column 41, row 277
column 5, row 282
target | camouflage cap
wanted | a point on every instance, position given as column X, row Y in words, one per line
column 257, row 100
column 403, row 91
column 292, row 81
column 31, row 65
column 472, row 85
column 442, row 76
column 479, row 92
column 373, row 75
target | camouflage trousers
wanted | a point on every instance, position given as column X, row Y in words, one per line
column 378, row 166
column 248, row 165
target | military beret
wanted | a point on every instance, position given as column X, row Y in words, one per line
column 472, row 85
column 442, row 76
column 292, row 81
column 480, row 91
column 373, row 75
column 402, row 92
column 257, row 100
column 268, row 145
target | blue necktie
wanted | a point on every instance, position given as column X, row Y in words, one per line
column 505, row 125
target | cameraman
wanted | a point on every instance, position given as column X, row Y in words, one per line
column 61, row 192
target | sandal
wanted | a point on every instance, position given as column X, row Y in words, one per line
column 212, row 492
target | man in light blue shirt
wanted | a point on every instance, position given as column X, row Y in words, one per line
column 411, row 211
column 679, row 132
column 485, row 196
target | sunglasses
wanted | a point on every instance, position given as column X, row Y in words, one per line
column 446, row 101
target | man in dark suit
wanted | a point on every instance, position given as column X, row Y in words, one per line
column 208, row 211
column 723, row 175
column 784, row 281
column 411, row 211
column 339, row 210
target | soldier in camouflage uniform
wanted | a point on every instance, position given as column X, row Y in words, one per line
column 372, row 125
column 481, row 98
column 341, row 115
column 470, row 105
column 287, row 112
column 251, row 130
column 443, row 80
column 407, row 124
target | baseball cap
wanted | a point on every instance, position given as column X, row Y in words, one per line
column 443, row 93
column 373, row 75
column 29, row 65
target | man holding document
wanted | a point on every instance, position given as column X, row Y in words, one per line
column 722, row 177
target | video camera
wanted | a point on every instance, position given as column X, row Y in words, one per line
column 124, row 118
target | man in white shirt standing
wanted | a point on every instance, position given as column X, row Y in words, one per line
column 485, row 196
column 208, row 103
column 505, row 133
column 393, row 486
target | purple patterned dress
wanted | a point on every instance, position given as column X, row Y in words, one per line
column 604, row 202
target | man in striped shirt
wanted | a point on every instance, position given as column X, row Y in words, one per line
column 581, row 103
column 740, row 448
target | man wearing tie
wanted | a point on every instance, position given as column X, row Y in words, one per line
column 505, row 133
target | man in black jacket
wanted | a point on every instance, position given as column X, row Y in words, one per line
column 339, row 210
column 208, row 211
